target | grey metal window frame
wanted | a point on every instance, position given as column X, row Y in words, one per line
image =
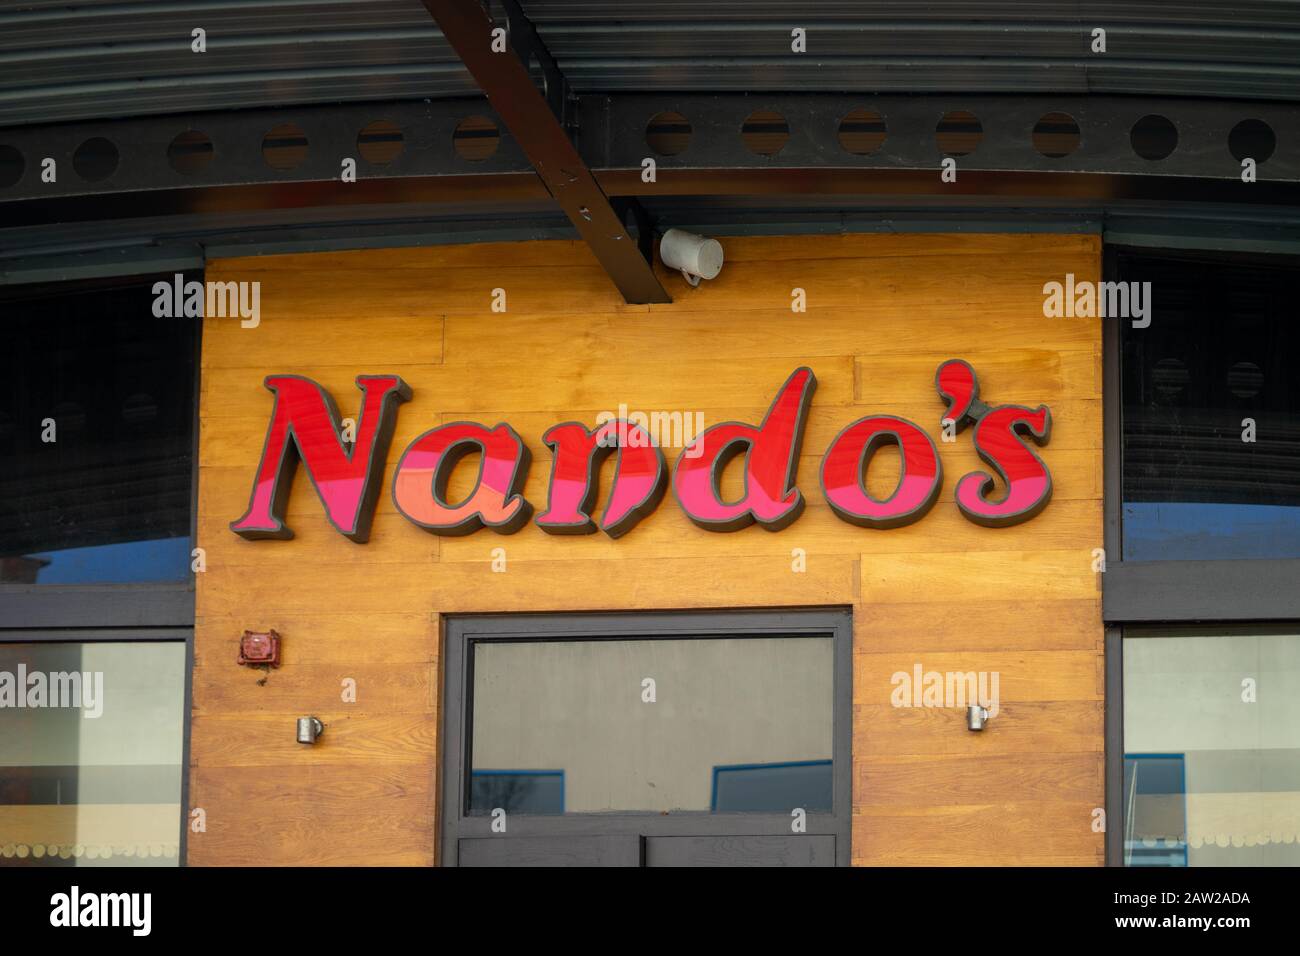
column 1240, row 592
column 460, row 631
column 131, row 635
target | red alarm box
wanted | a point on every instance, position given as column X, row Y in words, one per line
column 260, row 647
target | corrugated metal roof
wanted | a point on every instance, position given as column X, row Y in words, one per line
column 105, row 58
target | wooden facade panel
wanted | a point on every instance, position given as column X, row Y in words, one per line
column 943, row 593
column 394, row 637
column 1008, row 624
column 1007, row 833
column 405, row 687
column 1021, row 727
column 322, row 816
column 351, row 740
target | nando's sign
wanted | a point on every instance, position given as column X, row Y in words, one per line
column 305, row 425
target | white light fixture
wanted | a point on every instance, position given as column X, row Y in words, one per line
column 696, row 257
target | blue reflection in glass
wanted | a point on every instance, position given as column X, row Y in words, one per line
column 1198, row 531
column 129, row 562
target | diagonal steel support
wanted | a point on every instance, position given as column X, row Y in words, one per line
column 500, row 65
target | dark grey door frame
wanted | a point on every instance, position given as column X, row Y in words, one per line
column 460, row 631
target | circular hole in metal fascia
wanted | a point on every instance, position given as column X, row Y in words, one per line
column 1245, row 379
column 1056, row 135
column 861, row 132
column 1153, row 137
column 95, row 159
column 1169, row 377
column 959, row 133
column 668, row 133
column 380, row 142
column 475, row 138
column 190, row 152
column 285, row 147
column 12, row 165
column 765, row 132
column 1252, row 139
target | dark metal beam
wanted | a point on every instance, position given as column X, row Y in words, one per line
column 1108, row 135
column 536, row 122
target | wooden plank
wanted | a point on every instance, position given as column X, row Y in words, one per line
column 1072, row 726
column 1022, row 675
column 543, row 383
column 886, row 327
column 1014, row 833
column 222, row 687
column 927, row 780
column 955, row 578
column 982, row 625
column 376, row 815
column 350, row 740
column 403, row 637
column 299, row 339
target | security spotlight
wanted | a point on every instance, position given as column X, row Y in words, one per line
column 697, row 257
column 309, row 728
column 976, row 715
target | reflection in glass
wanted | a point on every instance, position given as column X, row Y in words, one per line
column 730, row 721
column 517, row 791
column 90, row 753
column 96, row 427
column 1212, row 748
column 1211, row 411
column 774, row 787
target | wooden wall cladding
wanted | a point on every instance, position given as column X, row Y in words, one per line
column 883, row 312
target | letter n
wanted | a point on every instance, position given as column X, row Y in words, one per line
column 640, row 478
column 305, row 425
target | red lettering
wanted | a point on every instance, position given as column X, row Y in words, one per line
column 305, row 425
column 640, row 478
column 998, row 440
column 421, row 477
column 844, row 471
column 771, row 454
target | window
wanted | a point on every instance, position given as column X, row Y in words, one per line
column 648, row 739
column 91, row 745
column 1203, row 508
column 1212, row 747
column 96, row 433
column 1211, row 409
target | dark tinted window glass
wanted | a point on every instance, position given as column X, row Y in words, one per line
column 1211, row 410
column 108, row 499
